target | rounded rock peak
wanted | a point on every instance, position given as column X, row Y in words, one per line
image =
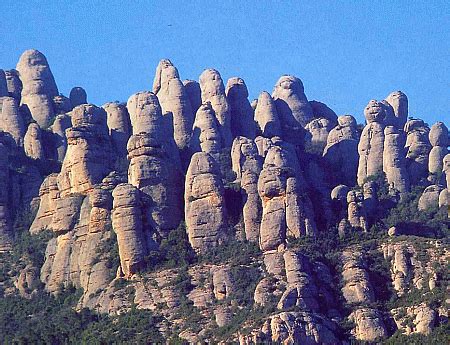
column 88, row 114
column 340, row 192
column 140, row 140
column 347, row 121
column 413, row 125
column 374, row 111
column 290, row 82
column 62, row 104
column 34, row 130
column 77, row 96
column 32, row 57
column 391, row 130
column 397, row 94
column 212, row 78
column 439, row 134
column 202, row 163
column 236, row 88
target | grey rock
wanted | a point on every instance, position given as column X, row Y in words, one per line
column 429, row 197
column 152, row 171
column 33, row 144
column 242, row 123
column 205, row 210
column 14, row 84
column 418, row 150
column 119, row 126
column 293, row 108
column 357, row 215
column 39, row 86
column 213, row 91
column 394, row 162
column 61, row 104
column 77, row 96
column 127, row 223
column 194, row 93
column 3, row 84
column 341, row 151
column 61, row 123
column 266, row 116
column 371, row 144
column 88, row 157
column 11, row 120
column 174, row 101
column 206, row 135
column 321, row 110
column 399, row 103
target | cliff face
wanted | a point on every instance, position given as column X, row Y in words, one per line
column 271, row 221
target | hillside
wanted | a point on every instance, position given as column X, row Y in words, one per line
column 190, row 214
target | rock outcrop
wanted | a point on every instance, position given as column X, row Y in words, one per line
column 32, row 142
column 174, row 101
column 77, row 96
column 194, row 94
column 293, row 108
column 399, row 104
column 151, row 170
column 213, row 91
column 266, row 116
column 371, row 144
column 14, row 84
column 341, row 150
column 88, row 158
column 242, row 123
column 247, row 165
column 39, row 86
column 439, row 141
column 127, row 224
column 119, row 126
column 48, row 194
column 6, row 235
column 357, row 215
column 11, row 120
column 418, row 150
column 394, row 162
column 206, row 135
column 286, row 209
column 205, row 210
column 62, row 122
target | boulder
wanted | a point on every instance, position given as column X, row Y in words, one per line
column 429, row 197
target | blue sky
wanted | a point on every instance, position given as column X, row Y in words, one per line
column 346, row 52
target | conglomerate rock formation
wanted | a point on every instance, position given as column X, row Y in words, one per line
column 271, row 221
